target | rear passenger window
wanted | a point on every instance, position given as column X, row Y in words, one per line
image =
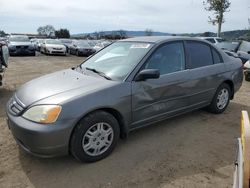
column 199, row 54
column 216, row 56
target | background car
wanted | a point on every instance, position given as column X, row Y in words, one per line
column 101, row 44
column 247, row 70
column 244, row 51
column 20, row 45
column 4, row 56
column 66, row 43
column 230, row 48
column 52, row 46
column 213, row 40
column 81, row 48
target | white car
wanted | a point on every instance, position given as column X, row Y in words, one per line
column 101, row 45
column 214, row 40
column 51, row 46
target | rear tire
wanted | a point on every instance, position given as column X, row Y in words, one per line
column 94, row 137
column 220, row 100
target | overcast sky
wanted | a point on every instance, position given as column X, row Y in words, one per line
column 178, row 16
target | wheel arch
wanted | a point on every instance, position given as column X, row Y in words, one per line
column 231, row 85
column 118, row 116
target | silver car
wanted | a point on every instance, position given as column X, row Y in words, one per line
column 129, row 84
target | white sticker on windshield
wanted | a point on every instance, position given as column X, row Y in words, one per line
column 140, row 45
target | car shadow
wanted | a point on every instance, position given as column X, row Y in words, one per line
column 197, row 142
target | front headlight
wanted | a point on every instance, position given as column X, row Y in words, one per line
column 43, row 113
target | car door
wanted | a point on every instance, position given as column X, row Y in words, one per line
column 206, row 68
column 156, row 99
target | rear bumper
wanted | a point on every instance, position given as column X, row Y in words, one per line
column 41, row 140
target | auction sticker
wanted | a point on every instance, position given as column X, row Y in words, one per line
column 140, row 45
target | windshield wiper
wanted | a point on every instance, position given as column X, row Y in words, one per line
column 99, row 73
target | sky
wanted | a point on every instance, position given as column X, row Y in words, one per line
column 83, row 16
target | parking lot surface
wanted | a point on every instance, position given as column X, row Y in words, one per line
column 192, row 150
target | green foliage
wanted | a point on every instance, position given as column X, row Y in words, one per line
column 148, row 32
column 2, row 33
column 47, row 30
column 62, row 33
column 218, row 7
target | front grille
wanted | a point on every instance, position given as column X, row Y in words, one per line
column 22, row 47
column 57, row 48
column 15, row 106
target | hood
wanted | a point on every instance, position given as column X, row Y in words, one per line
column 55, row 45
column 20, row 44
column 67, row 81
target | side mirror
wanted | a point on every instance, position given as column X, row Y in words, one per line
column 248, row 52
column 147, row 74
column 4, row 55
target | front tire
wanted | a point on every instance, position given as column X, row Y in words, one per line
column 221, row 99
column 94, row 137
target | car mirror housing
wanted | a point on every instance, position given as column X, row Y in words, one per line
column 147, row 74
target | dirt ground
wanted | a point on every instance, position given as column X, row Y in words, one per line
column 193, row 150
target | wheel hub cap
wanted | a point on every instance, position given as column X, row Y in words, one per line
column 222, row 98
column 97, row 139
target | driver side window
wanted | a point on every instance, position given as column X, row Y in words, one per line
column 168, row 58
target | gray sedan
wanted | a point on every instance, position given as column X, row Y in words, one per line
column 127, row 85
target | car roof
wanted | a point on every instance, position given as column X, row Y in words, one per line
column 158, row 39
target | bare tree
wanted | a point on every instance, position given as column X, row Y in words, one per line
column 218, row 7
column 48, row 30
column 149, row 32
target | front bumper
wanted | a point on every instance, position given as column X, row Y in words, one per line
column 21, row 51
column 41, row 140
column 56, row 52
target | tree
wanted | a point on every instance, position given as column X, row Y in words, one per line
column 219, row 7
column 47, row 30
column 122, row 34
column 2, row 33
column 62, row 33
column 149, row 32
column 207, row 34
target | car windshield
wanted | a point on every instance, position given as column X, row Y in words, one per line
column 66, row 41
column 220, row 40
column 53, row 42
column 244, row 46
column 228, row 46
column 19, row 39
column 82, row 44
column 118, row 60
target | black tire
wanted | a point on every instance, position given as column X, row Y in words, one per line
column 83, row 126
column 213, row 107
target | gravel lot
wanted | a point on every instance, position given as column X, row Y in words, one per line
column 193, row 150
